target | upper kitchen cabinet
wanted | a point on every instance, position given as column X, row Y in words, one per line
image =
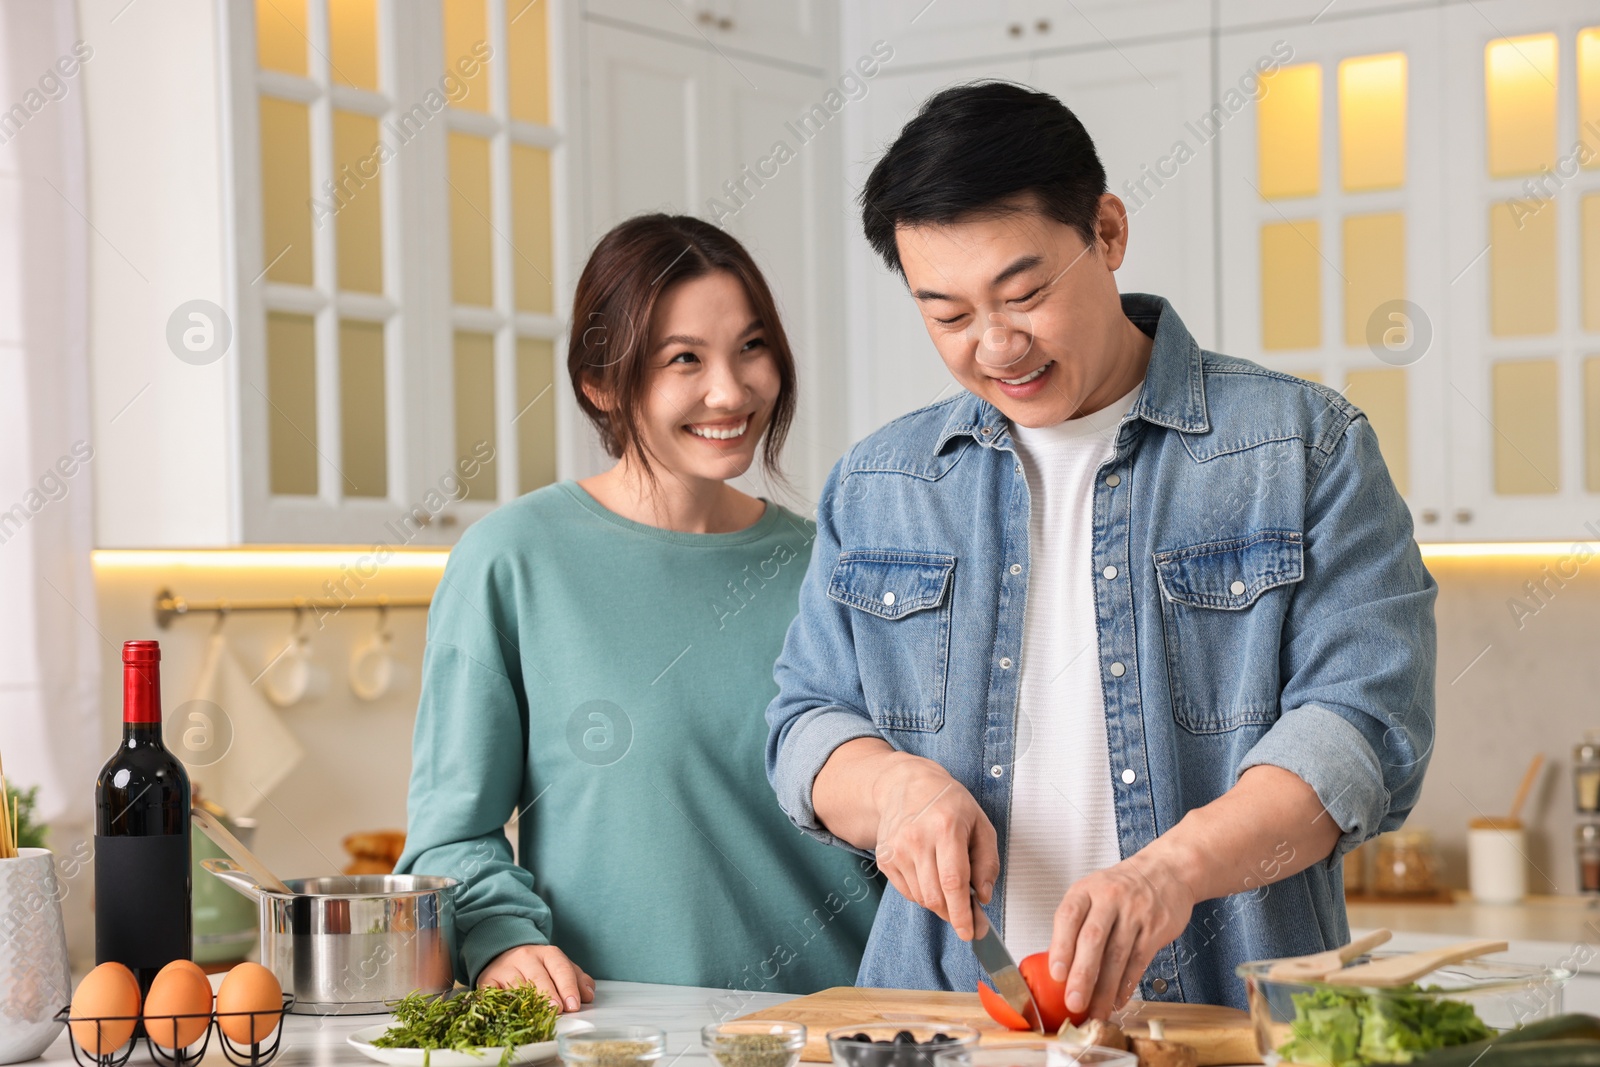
column 937, row 32
column 1331, row 226
column 1234, row 15
column 754, row 147
column 1522, row 260
column 1161, row 166
column 799, row 33
column 367, row 355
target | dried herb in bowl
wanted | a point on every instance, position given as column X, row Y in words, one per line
column 472, row 1020
column 754, row 1043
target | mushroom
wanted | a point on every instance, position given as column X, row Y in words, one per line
column 1100, row 1032
column 1157, row 1051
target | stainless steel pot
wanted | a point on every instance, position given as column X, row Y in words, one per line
column 351, row 944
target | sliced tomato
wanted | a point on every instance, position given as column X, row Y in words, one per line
column 1049, row 994
column 999, row 1010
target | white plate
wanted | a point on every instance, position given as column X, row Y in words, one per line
column 362, row 1040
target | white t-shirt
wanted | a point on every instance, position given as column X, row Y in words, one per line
column 1063, row 822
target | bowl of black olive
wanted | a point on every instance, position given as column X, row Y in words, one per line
column 896, row 1044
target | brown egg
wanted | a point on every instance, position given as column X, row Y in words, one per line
column 178, row 1009
column 109, row 993
column 249, row 987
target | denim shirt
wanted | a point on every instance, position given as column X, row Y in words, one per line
column 1268, row 606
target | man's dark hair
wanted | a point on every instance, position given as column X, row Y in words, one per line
column 969, row 150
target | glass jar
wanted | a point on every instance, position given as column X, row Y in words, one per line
column 1588, row 857
column 1586, row 775
column 1405, row 864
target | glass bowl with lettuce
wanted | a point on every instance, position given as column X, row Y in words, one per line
column 1313, row 1024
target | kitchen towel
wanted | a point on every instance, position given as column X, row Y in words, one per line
column 232, row 741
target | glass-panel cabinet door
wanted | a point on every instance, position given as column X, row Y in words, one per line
column 322, row 452
column 1524, row 245
column 1331, row 225
column 504, row 320
column 396, row 166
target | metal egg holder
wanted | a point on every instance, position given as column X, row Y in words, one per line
column 259, row 1053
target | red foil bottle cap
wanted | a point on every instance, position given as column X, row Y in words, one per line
column 141, row 681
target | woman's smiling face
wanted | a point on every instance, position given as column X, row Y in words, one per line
column 711, row 381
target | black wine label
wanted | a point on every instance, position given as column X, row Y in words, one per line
column 142, row 915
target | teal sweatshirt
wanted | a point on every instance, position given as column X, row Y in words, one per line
column 608, row 681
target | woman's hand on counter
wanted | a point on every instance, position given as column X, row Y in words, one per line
column 544, row 966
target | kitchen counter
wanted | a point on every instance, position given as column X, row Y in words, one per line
column 1559, row 920
column 319, row 1041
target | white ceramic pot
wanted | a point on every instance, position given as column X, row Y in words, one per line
column 34, row 980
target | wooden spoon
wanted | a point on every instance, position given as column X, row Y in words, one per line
column 1526, row 787
column 1398, row 970
column 236, row 850
column 1319, row 965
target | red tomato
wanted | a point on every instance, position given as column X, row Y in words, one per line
column 1049, row 994
column 999, row 1010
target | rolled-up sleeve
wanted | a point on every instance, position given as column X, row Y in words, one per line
column 1358, row 651
column 819, row 705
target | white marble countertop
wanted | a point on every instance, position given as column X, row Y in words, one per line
column 319, row 1041
column 1555, row 920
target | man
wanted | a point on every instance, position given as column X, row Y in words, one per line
column 1131, row 637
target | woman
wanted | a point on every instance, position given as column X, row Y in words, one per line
column 599, row 660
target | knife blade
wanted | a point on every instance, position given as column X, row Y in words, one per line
column 1001, row 969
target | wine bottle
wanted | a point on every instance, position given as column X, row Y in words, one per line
column 142, row 916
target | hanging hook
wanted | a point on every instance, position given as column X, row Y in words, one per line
column 222, row 617
column 383, row 616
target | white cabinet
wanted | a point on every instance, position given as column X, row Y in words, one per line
column 894, row 367
column 353, row 280
column 963, row 32
column 1332, row 222
column 1523, row 258
column 1440, row 274
column 676, row 127
column 794, row 33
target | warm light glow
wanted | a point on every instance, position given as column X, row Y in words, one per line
column 1520, row 81
column 1372, row 121
column 1589, row 93
column 234, row 559
column 1289, row 132
column 1489, row 550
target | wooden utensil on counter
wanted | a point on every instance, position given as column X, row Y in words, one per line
column 1319, row 965
column 236, row 850
column 1398, row 970
column 1219, row 1035
column 1526, row 787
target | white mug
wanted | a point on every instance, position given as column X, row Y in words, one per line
column 372, row 667
column 292, row 675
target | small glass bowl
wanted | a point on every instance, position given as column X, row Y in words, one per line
column 880, row 1050
column 754, row 1043
column 1504, row 995
column 1036, row 1054
column 615, row 1046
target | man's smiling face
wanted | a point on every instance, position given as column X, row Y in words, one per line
column 1024, row 313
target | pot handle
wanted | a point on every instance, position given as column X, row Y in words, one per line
column 234, row 876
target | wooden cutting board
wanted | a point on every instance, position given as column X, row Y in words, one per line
column 1220, row 1035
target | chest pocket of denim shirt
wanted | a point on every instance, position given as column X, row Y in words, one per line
column 1223, row 605
column 900, row 617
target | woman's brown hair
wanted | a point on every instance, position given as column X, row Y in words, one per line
column 628, row 271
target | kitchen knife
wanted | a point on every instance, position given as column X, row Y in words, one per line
column 1000, row 968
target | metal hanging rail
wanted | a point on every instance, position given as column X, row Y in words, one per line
column 169, row 605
